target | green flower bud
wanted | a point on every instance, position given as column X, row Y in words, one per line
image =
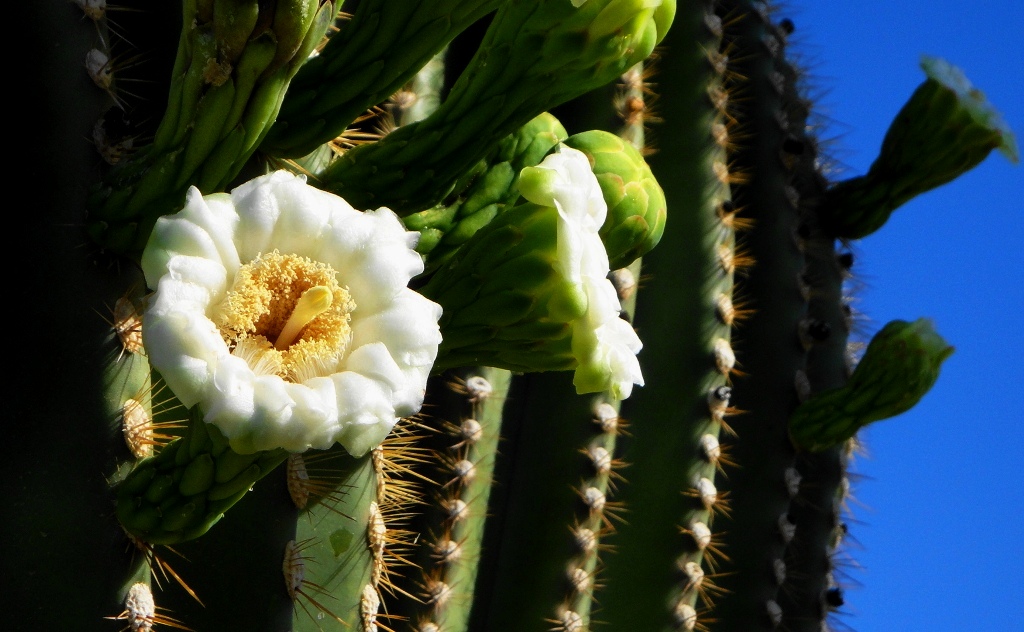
column 946, row 129
column 636, row 202
column 900, row 365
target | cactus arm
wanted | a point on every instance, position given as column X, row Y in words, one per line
column 556, row 461
column 946, row 128
column 469, row 531
column 678, row 321
column 233, row 67
column 468, row 414
column 381, row 47
column 519, row 589
column 900, row 366
column 333, row 543
column 816, row 510
column 768, row 349
column 534, row 56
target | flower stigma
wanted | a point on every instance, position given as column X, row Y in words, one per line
column 292, row 315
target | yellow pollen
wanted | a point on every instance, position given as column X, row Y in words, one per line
column 312, row 303
column 287, row 315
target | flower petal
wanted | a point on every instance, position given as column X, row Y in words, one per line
column 193, row 259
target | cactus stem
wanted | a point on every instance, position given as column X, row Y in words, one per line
column 299, row 588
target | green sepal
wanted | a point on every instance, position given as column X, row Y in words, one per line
column 488, row 189
column 899, row 367
column 505, row 304
column 197, row 476
column 179, row 493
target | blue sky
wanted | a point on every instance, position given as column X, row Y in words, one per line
column 940, row 519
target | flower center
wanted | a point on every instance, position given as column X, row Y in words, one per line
column 287, row 315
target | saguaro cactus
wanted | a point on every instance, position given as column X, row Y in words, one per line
column 302, row 362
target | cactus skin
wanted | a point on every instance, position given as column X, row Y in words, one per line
column 62, row 481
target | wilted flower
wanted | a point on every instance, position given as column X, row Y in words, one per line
column 944, row 130
column 284, row 314
column 530, row 291
column 605, row 345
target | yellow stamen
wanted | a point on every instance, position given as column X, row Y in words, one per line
column 313, row 302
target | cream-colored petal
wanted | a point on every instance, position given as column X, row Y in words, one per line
column 408, row 327
column 306, row 216
column 259, row 211
column 231, row 402
column 366, row 412
column 184, row 346
column 175, row 237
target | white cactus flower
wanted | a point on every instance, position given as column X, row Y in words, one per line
column 604, row 345
column 285, row 315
